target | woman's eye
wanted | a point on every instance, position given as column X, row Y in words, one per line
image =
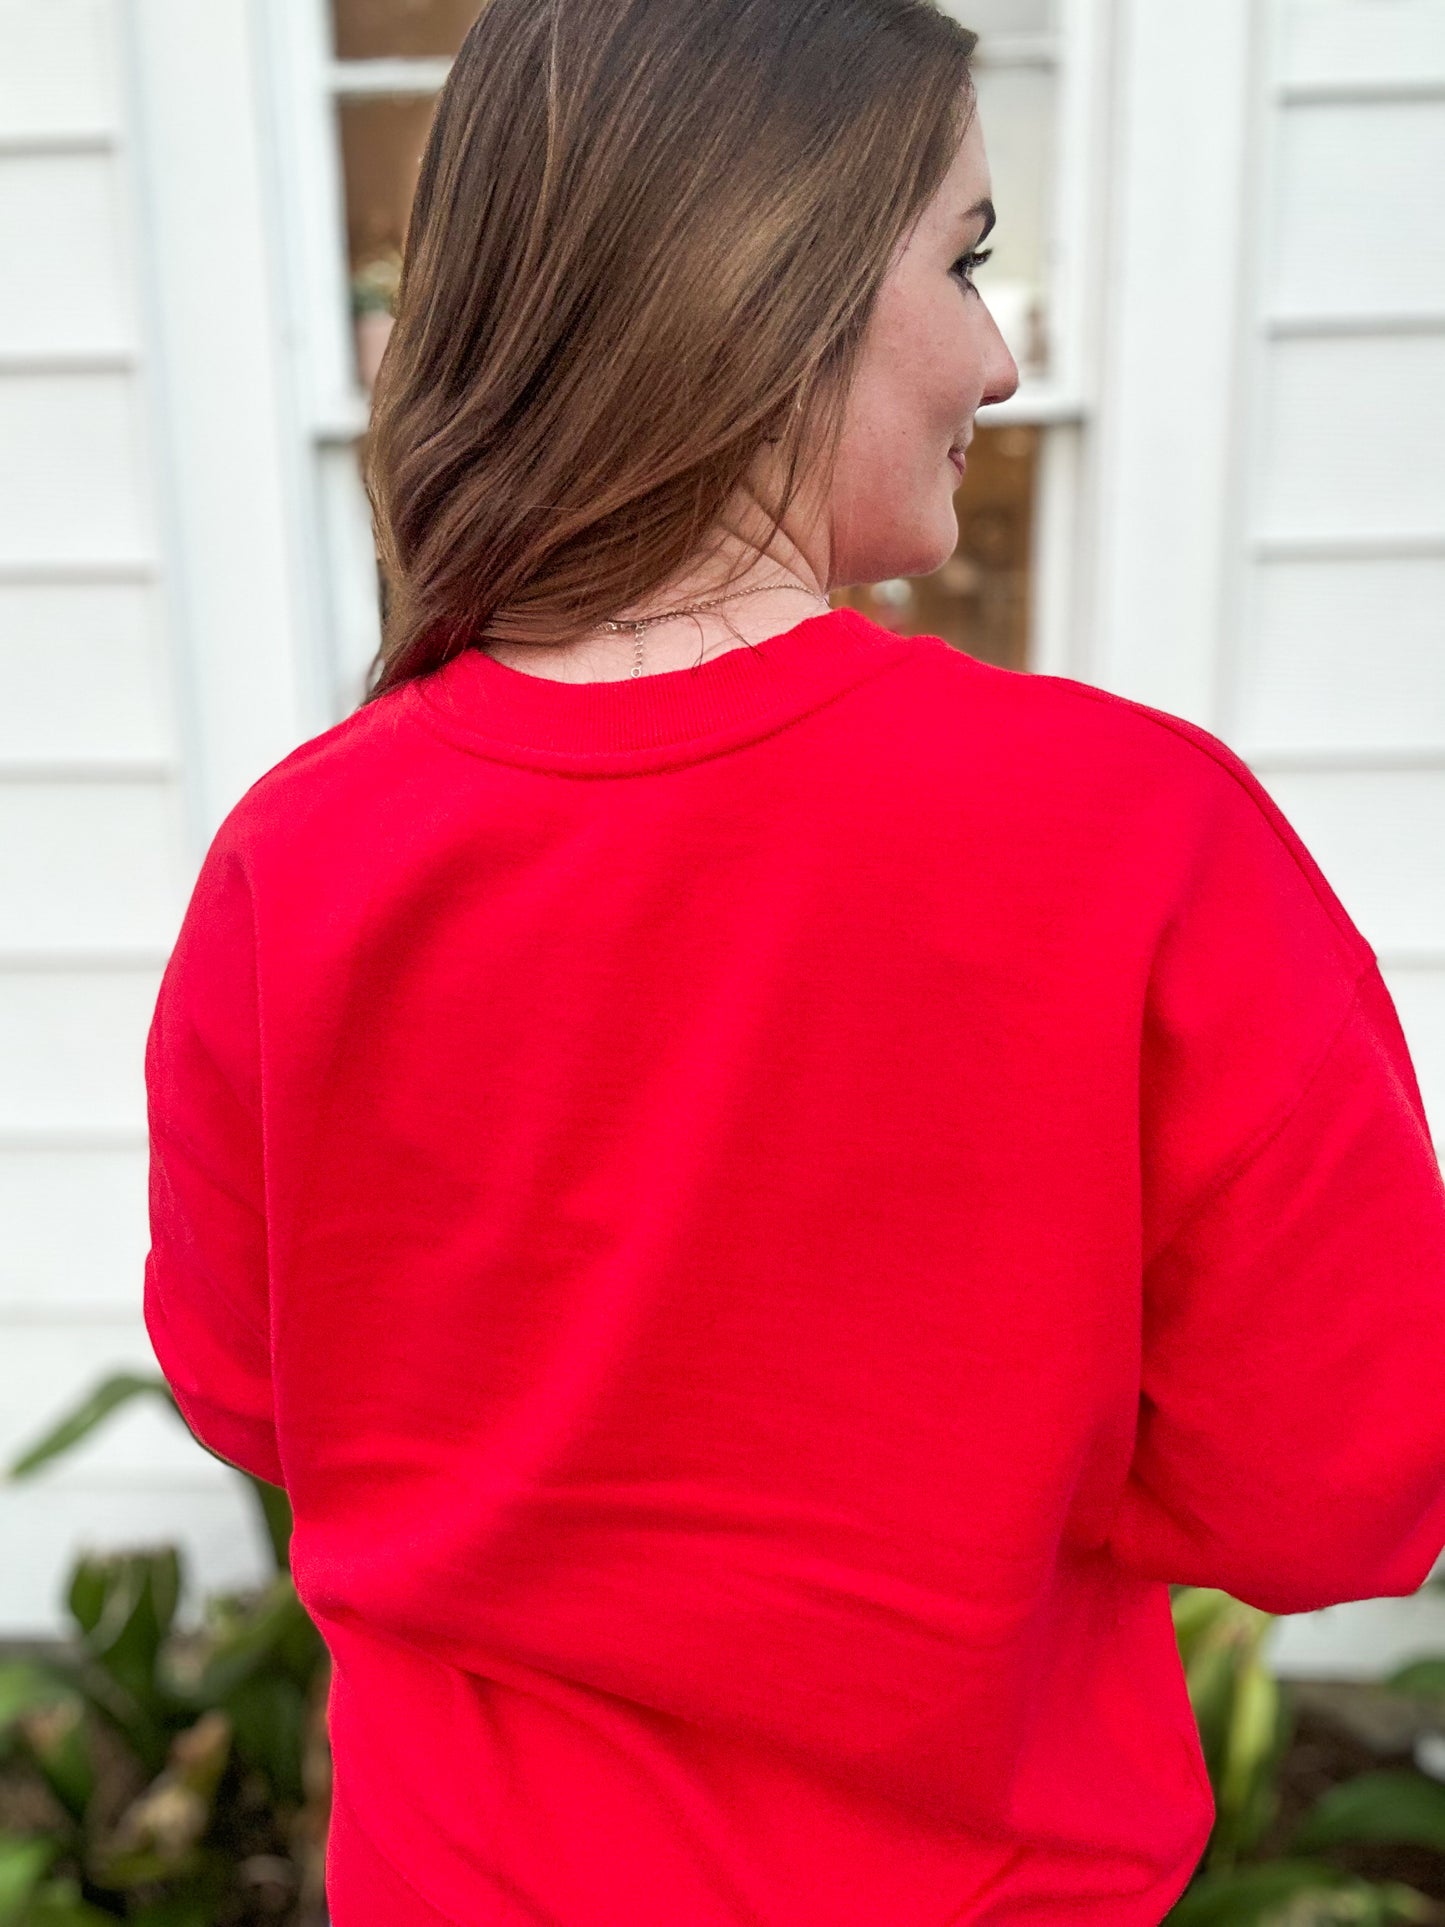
column 965, row 265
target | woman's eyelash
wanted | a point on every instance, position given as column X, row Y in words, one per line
column 965, row 265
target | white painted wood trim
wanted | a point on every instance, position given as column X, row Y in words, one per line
column 105, row 959
column 1302, row 327
column 1165, row 457
column 106, row 571
column 1017, row 49
column 1053, row 646
column 1390, row 545
column 61, row 141
column 87, row 769
column 1079, row 211
column 1063, row 403
column 67, row 361
column 1331, row 758
column 211, row 327
column 366, row 79
column 1331, row 93
column 329, row 410
column 61, row 1137
column 83, row 1314
column 1248, row 424
column 344, row 421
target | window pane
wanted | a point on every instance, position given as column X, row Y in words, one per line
column 391, row 29
column 979, row 599
column 381, row 146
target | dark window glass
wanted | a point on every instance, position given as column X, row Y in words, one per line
column 390, row 29
column 980, row 599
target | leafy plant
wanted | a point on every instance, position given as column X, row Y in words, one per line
column 177, row 1779
column 376, row 282
column 1246, row 1726
column 170, row 1778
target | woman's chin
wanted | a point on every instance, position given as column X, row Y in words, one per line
column 932, row 558
column 920, row 549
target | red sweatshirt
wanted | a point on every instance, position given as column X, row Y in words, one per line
column 762, row 1214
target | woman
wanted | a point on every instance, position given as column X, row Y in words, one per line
column 765, row 1186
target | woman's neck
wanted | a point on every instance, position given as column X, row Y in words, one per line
column 783, row 589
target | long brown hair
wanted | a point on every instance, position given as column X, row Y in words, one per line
column 646, row 238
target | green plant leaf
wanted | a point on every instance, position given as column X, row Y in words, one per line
column 260, row 1664
column 125, row 1603
column 26, row 1685
column 1210, row 1679
column 269, row 1716
column 1395, row 1807
column 270, row 1630
column 1355, row 1906
column 160, row 1835
column 24, row 1862
column 85, row 1595
column 92, row 1410
column 1424, row 1676
column 186, row 1912
column 119, row 1389
column 1245, row 1797
column 199, row 1903
column 141, row 1592
column 275, row 1506
column 1403, row 1903
column 1196, row 1609
column 1253, row 1725
column 142, row 1730
column 1245, row 1898
column 57, row 1740
column 60, row 1904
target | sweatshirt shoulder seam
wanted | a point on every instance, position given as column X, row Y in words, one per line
column 1237, row 770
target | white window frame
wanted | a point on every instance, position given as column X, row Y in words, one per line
column 308, row 198
column 1064, row 404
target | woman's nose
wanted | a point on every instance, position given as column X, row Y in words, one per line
column 1001, row 371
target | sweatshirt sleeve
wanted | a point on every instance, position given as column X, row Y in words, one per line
column 1290, row 1446
column 206, row 1298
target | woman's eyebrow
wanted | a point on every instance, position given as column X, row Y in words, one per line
column 986, row 209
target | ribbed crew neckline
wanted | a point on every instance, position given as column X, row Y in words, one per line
column 676, row 716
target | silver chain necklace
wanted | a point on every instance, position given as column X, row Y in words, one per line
column 639, row 623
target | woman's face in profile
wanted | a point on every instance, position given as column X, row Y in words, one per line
column 931, row 357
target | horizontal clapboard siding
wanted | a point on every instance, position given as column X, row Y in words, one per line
column 1348, row 437
column 58, row 72
column 83, row 674
column 1343, row 651
column 95, row 856
column 64, row 1205
column 1335, row 691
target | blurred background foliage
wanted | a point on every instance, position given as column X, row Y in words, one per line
column 182, row 1778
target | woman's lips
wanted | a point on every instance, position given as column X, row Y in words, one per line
column 959, row 460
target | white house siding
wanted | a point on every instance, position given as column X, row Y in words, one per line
column 131, row 585
column 1267, row 490
column 1260, row 535
column 1335, row 693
